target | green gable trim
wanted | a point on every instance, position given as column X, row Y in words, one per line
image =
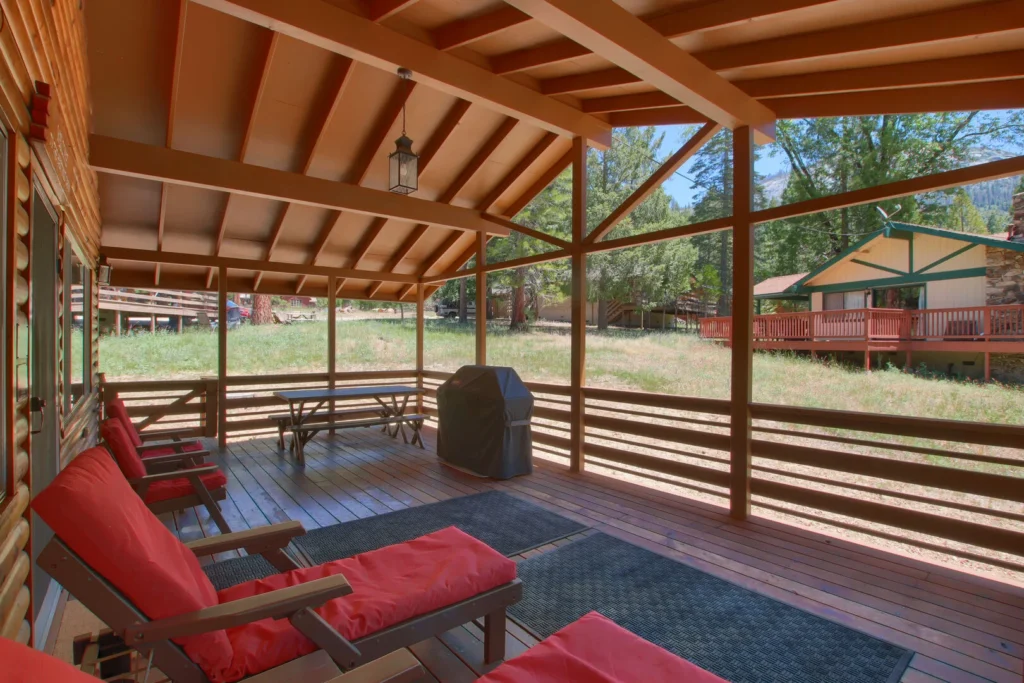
column 987, row 240
column 912, row 279
column 852, row 249
column 878, row 267
column 782, row 295
column 948, row 257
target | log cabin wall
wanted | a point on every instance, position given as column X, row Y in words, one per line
column 44, row 110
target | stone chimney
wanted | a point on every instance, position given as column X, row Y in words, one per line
column 1017, row 224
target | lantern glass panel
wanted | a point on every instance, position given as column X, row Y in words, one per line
column 404, row 172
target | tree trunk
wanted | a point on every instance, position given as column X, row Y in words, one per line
column 518, row 313
column 463, row 315
column 602, row 314
column 262, row 313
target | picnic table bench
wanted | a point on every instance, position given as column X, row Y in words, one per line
column 305, row 417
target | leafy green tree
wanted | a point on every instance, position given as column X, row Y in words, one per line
column 964, row 216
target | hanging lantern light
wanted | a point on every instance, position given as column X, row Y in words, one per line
column 404, row 164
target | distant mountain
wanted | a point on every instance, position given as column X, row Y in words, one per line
column 993, row 194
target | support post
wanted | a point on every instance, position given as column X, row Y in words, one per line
column 117, row 323
column 578, row 365
column 742, row 323
column 222, row 356
column 178, row 323
column 988, row 367
column 332, row 337
column 481, row 300
column 420, row 330
column 152, row 324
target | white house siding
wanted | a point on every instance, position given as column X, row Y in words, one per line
column 968, row 291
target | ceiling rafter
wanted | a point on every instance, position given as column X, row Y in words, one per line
column 515, row 207
column 661, row 116
column 179, row 49
column 379, row 10
column 670, row 166
column 947, row 24
column 342, row 77
column 622, row 38
column 670, row 25
column 464, row 31
column 364, row 160
column 448, row 196
column 430, row 150
column 335, row 29
column 254, row 110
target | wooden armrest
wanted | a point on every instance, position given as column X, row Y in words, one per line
column 398, row 667
column 176, row 474
column 176, row 446
column 273, row 605
column 252, row 540
column 168, row 435
column 158, row 461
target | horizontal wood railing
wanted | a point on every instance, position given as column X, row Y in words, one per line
column 159, row 301
column 974, row 323
column 955, row 488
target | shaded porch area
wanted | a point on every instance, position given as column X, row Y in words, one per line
column 962, row 627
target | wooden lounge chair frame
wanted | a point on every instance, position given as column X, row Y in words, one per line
column 163, row 467
column 296, row 603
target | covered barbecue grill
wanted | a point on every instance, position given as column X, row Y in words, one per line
column 484, row 422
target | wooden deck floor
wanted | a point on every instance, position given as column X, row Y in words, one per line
column 963, row 628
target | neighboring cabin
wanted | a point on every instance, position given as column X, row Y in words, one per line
column 953, row 301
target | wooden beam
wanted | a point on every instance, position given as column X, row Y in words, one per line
column 641, row 100
column 442, row 250
column 589, row 80
column 962, row 22
column 222, row 357
column 963, row 97
column 379, row 10
column 995, row 66
column 529, row 232
column 464, row 31
column 237, row 284
column 706, row 16
column 179, row 48
column 532, row 259
column 254, row 110
column 420, row 336
column 170, row 257
column 578, row 336
column 612, row 32
column 671, row 165
column 481, row 300
column 133, row 159
column 661, row 116
column 337, row 30
column 742, row 356
column 702, row 228
column 992, row 170
column 517, row 171
column 342, row 78
column 448, row 196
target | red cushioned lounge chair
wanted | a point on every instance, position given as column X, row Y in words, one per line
column 169, row 482
column 166, row 442
column 595, row 649
column 22, row 664
column 115, row 556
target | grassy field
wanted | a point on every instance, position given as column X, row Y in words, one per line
column 628, row 359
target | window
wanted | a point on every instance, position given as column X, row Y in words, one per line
column 77, row 326
column 833, row 301
column 906, row 298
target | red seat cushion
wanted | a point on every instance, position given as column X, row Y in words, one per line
column 123, row 449
column 117, row 411
column 22, row 664
column 187, row 446
column 389, row 586
column 595, row 649
column 91, row 507
column 176, row 488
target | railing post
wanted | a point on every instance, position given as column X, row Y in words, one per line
column 420, row 331
column 742, row 323
column 209, row 418
column 481, row 299
column 332, row 336
column 222, row 356
column 578, row 347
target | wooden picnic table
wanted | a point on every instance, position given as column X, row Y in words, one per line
column 304, row 409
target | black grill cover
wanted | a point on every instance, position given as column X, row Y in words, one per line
column 484, row 422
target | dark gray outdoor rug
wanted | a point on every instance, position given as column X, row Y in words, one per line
column 742, row 636
column 508, row 524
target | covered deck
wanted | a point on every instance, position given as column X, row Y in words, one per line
column 962, row 627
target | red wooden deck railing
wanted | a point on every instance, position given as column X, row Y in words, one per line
column 975, row 323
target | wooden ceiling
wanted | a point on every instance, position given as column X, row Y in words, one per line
column 499, row 92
